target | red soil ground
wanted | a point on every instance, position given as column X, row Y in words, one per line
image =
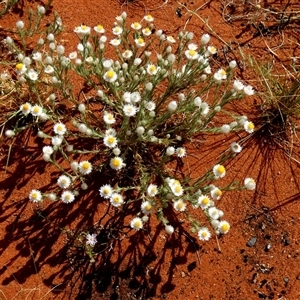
column 38, row 259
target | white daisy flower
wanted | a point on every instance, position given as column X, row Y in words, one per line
column 82, row 30
column 36, row 110
column 181, row 152
column 99, row 29
column 117, row 30
column 213, row 213
column 216, row 193
column 150, row 105
column 35, row 196
column 47, row 150
column 136, row 223
column 204, row 234
column 116, row 200
column 250, row 184
column 136, row 25
column 152, row 190
column 63, row 181
column 204, row 202
column 223, row 227
column 249, row 126
column 238, row 86
column 56, row 140
column 60, row 128
column 152, row 69
column 235, row 147
column 248, row 90
column 110, row 141
column 73, row 55
column 147, row 207
column 140, row 42
column 108, row 118
column 110, row 76
column 85, row 167
column 49, row 70
column 37, row 56
column 115, row 42
column 110, row 131
column 211, row 50
column 129, row 110
column 25, row 108
column 146, row 31
column 106, row 191
column 67, row 197
column 179, row 205
column 21, row 68
column 170, row 39
column 219, row 171
column 135, row 97
column 148, row 18
column 127, row 54
column 91, row 239
column 116, row 163
column 191, row 54
column 204, row 108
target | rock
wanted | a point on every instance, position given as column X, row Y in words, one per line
column 252, row 242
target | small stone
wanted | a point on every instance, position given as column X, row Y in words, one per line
column 268, row 247
column 252, row 242
column 182, row 274
column 286, row 280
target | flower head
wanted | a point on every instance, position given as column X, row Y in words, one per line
column 36, row 110
column 152, row 69
column 108, row 118
column 146, row 31
column 136, row 223
column 249, row 126
column 116, row 200
column 191, row 54
column 179, row 205
column 140, row 42
column 110, row 141
column 204, row 234
column 136, row 25
column 213, row 213
column 106, row 191
column 204, row 201
column 248, row 90
column 82, row 30
column 115, row 42
column 169, row 229
column 216, row 193
column 180, row 151
column 110, row 76
column 129, row 110
column 35, row 196
column 60, row 128
column 116, row 163
column 148, row 18
column 63, row 181
column 85, row 167
column 99, row 29
column 67, row 197
column 152, row 190
column 147, row 207
column 117, row 30
column 127, row 54
column 25, row 108
column 235, row 147
column 219, row 171
column 91, row 239
column 223, row 227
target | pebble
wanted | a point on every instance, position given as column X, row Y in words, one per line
column 252, row 242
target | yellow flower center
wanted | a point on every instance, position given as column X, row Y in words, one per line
column 86, row 165
column 83, row 27
column 34, row 195
column 136, row 25
column 106, row 191
column 149, row 17
column 147, row 30
column 225, row 227
column 205, row 201
column 148, row 207
column 36, row 109
column 68, row 197
column 178, row 188
column 116, row 162
column 192, row 52
column 152, row 68
column 99, row 27
column 179, row 205
column 25, row 106
column 117, row 199
column 110, row 74
column 250, row 126
column 218, row 192
column 59, row 128
column 111, row 140
column 137, row 224
column 221, row 169
column 19, row 66
column 141, row 41
column 117, row 29
column 204, row 234
column 222, row 72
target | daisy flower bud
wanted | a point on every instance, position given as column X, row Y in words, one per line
column 63, row 181
column 149, row 86
column 74, row 165
column 67, row 197
column 81, row 108
column 213, row 213
column 169, row 229
column 20, row 24
column 46, row 157
column 136, row 223
column 56, row 140
column 250, row 184
column 204, row 234
column 35, row 196
column 106, row 191
column 225, row 128
column 219, row 171
column 82, row 128
column 223, row 227
column 85, row 167
column 147, row 207
column 170, row 150
column 248, row 90
column 205, row 39
column 238, row 86
column 52, row 196
column 84, row 186
column 9, row 133
column 140, row 130
column 232, row 64
column 116, row 200
column 172, row 106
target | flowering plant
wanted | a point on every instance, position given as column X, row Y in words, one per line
column 139, row 112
